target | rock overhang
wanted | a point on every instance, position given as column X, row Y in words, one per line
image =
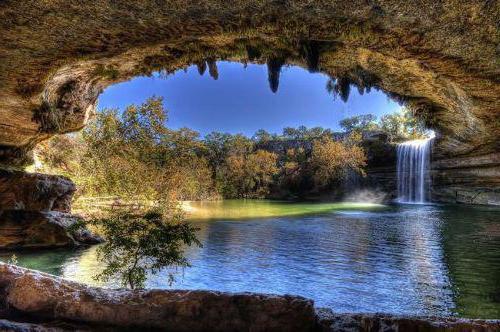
column 440, row 58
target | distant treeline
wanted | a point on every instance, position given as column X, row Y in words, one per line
column 134, row 154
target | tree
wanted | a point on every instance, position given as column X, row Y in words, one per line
column 216, row 150
column 140, row 244
column 260, row 168
column 364, row 122
column 239, row 145
column 293, row 177
column 331, row 161
column 402, row 125
column 392, row 125
column 290, row 133
column 262, row 136
column 249, row 175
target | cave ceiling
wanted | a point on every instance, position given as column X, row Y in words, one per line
column 441, row 58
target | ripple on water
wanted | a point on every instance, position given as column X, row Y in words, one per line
column 422, row 260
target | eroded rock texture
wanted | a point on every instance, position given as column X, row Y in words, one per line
column 35, row 212
column 46, row 299
column 467, row 179
column 333, row 322
column 35, row 192
column 439, row 57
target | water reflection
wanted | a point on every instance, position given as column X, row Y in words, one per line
column 426, row 260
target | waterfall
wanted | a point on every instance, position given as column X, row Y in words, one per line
column 413, row 166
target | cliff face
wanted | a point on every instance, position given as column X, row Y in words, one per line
column 441, row 58
column 467, row 179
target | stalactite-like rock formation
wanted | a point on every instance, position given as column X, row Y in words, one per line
column 440, row 58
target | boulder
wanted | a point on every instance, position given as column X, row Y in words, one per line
column 36, row 229
column 35, row 192
column 35, row 212
column 45, row 297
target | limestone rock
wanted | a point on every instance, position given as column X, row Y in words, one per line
column 35, row 192
column 46, row 297
column 440, row 58
column 36, row 229
column 13, row 326
column 333, row 322
column 467, row 179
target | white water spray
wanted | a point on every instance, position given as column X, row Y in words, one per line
column 413, row 167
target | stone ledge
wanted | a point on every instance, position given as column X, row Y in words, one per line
column 331, row 322
column 45, row 298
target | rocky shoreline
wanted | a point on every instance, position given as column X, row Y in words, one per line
column 34, row 301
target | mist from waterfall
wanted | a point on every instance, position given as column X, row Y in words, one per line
column 413, row 160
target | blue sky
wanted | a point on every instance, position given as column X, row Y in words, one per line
column 240, row 101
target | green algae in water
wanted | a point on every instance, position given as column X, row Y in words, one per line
column 426, row 260
column 255, row 209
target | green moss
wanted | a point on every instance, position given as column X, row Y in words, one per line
column 107, row 71
column 50, row 119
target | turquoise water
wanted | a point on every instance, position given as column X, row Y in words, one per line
column 401, row 259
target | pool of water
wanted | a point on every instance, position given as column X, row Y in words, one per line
column 401, row 259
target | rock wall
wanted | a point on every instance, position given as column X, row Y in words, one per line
column 36, row 297
column 468, row 179
column 454, row 179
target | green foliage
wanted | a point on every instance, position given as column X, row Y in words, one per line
column 50, row 119
column 134, row 155
column 399, row 126
column 262, row 136
column 359, row 123
column 304, row 133
column 140, row 244
column 248, row 175
column 332, row 160
column 107, row 71
column 12, row 260
column 402, row 126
